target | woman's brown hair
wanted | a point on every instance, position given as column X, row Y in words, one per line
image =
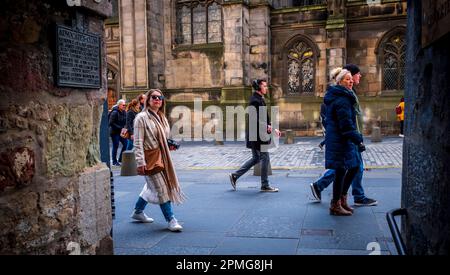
column 149, row 95
column 133, row 105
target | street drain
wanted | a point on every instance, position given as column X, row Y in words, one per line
column 317, row 232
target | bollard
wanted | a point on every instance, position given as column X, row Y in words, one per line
column 289, row 137
column 219, row 138
column 129, row 167
column 376, row 134
column 257, row 169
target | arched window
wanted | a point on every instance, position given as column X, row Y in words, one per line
column 392, row 51
column 300, row 69
column 198, row 22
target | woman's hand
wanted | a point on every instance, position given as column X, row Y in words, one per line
column 132, row 137
column 278, row 133
column 141, row 170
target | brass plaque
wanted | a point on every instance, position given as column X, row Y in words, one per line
column 78, row 59
column 435, row 20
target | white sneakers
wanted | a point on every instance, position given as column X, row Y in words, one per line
column 174, row 226
column 141, row 217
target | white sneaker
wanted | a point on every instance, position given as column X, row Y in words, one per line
column 141, row 217
column 174, row 226
column 401, row 135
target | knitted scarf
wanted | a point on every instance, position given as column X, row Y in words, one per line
column 170, row 177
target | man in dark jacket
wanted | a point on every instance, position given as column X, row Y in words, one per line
column 117, row 121
column 258, row 133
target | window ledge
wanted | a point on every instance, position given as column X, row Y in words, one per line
column 198, row 47
column 393, row 93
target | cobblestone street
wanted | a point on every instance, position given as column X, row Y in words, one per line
column 303, row 154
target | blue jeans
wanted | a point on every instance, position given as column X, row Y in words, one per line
column 116, row 138
column 130, row 145
column 257, row 156
column 166, row 208
column 357, row 189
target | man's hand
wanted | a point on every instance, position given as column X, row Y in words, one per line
column 132, row 137
column 141, row 170
column 269, row 129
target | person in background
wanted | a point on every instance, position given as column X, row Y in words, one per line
column 255, row 139
column 401, row 115
column 343, row 140
column 359, row 197
column 133, row 109
column 141, row 99
column 117, row 121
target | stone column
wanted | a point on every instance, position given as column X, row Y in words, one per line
column 54, row 190
column 426, row 177
column 336, row 35
column 259, row 25
column 236, row 51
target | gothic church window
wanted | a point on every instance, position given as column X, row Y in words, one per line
column 301, row 69
column 198, row 22
column 393, row 51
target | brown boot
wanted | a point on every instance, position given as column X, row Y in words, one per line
column 345, row 205
column 337, row 210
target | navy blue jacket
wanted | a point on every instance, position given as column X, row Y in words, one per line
column 117, row 121
column 253, row 135
column 341, row 131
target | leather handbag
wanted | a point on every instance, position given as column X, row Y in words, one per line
column 154, row 161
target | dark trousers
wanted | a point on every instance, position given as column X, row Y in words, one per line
column 402, row 123
column 343, row 181
column 116, row 139
column 257, row 156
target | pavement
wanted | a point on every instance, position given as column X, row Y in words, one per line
column 220, row 221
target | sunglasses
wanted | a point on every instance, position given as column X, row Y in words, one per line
column 155, row 97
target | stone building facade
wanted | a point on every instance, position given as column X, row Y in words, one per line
column 54, row 190
column 213, row 49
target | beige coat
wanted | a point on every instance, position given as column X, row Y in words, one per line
column 147, row 136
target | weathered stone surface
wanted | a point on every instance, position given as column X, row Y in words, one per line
column 95, row 205
column 48, row 136
column 17, row 167
column 426, row 177
column 67, row 144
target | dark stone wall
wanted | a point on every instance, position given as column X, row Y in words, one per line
column 426, row 155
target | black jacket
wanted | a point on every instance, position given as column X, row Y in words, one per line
column 117, row 121
column 131, row 115
column 259, row 120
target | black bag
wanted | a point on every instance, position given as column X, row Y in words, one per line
column 173, row 143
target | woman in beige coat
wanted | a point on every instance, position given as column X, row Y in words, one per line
column 151, row 130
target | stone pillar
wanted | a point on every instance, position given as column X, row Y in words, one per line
column 236, row 56
column 259, row 25
column 54, row 190
column 236, row 42
column 134, row 71
column 336, row 35
column 426, row 177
